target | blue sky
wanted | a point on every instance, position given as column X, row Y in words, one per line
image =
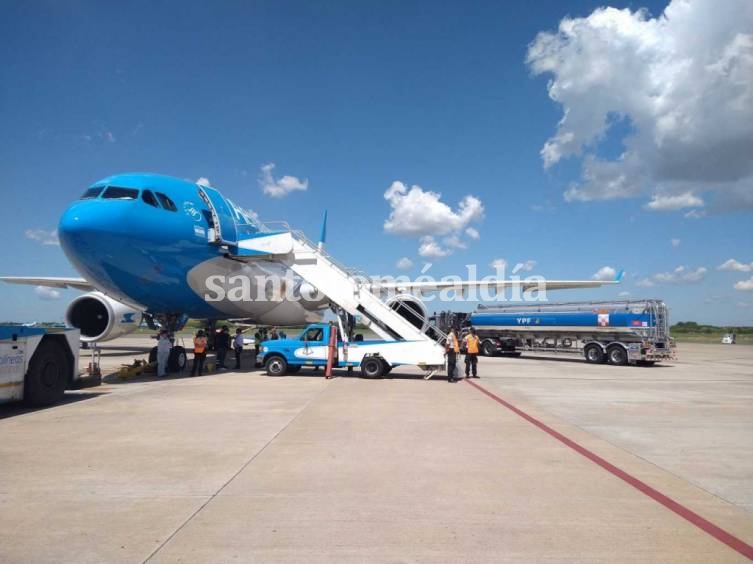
column 353, row 96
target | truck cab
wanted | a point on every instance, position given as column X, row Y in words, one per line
column 37, row 364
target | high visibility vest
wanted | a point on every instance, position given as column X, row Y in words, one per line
column 471, row 344
column 452, row 344
column 199, row 344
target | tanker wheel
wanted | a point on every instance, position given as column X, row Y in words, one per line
column 617, row 355
column 488, row 348
column 594, row 354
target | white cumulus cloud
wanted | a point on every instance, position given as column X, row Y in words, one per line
column 418, row 212
column 46, row 293
column 404, row 263
column 744, row 284
column 605, row 273
column 498, row 264
column 203, row 181
column 279, row 187
column 526, row 266
column 422, row 213
column 735, row 266
column 677, row 84
column 675, row 243
column 674, row 203
column 429, row 248
column 680, row 275
column 473, row 233
column 42, row 236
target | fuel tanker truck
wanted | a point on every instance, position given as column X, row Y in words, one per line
column 616, row 332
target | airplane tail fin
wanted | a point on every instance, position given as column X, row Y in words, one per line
column 323, row 235
column 619, row 276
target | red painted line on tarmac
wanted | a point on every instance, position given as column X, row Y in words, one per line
column 689, row 515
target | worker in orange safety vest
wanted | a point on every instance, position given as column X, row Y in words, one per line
column 471, row 342
column 451, row 350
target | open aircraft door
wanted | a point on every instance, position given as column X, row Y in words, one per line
column 225, row 232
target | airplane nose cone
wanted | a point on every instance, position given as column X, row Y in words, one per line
column 87, row 225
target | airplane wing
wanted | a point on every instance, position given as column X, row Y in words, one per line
column 498, row 284
column 52, row 282
column 431, row 286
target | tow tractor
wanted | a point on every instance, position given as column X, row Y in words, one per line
column 314, row 347
column 38, row 364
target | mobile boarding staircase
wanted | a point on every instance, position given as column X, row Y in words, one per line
column 348, row 289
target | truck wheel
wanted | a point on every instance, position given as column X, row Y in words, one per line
column 488, row 348
column 372, row 367
column 177, row 360
column 47, row 376
column 617, row 355
column 594, row 354
column 276, row 366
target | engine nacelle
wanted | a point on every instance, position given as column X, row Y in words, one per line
column 410, row 308
column 101, row 318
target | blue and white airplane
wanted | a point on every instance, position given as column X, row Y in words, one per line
column 145, row 244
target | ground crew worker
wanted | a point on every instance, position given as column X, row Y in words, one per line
column 163, row 353
column 238, row 347
column 452, row 348
column 199, row 352
column 222, row 344
column 471, row 354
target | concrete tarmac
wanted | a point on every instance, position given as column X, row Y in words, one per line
column 241, row 467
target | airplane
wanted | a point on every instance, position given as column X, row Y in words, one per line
column 146, row 244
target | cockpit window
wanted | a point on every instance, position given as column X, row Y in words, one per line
column 149, row 198
column 166, row 202
column 116, row 193
column 92, row 193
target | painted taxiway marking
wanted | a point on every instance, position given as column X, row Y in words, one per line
column 689, row 515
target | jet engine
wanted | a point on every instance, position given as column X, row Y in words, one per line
column 101, row 318
column 410, row 308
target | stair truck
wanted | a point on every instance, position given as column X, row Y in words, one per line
column 616, row 332
column 375, row 358
column 401, row 323
column 38, row 364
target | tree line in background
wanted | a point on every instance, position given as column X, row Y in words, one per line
column 695, row 328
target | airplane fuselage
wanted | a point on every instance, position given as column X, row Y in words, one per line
column 144, row 239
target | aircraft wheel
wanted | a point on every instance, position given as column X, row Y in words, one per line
column 177, row 360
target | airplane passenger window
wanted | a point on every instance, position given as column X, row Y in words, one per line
column 166, row 202
column 116, row 193
column 149, row 198
column 92, row 193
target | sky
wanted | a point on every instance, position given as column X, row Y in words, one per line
column 573, row 138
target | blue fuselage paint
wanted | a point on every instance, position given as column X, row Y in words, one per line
column 143, row 254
